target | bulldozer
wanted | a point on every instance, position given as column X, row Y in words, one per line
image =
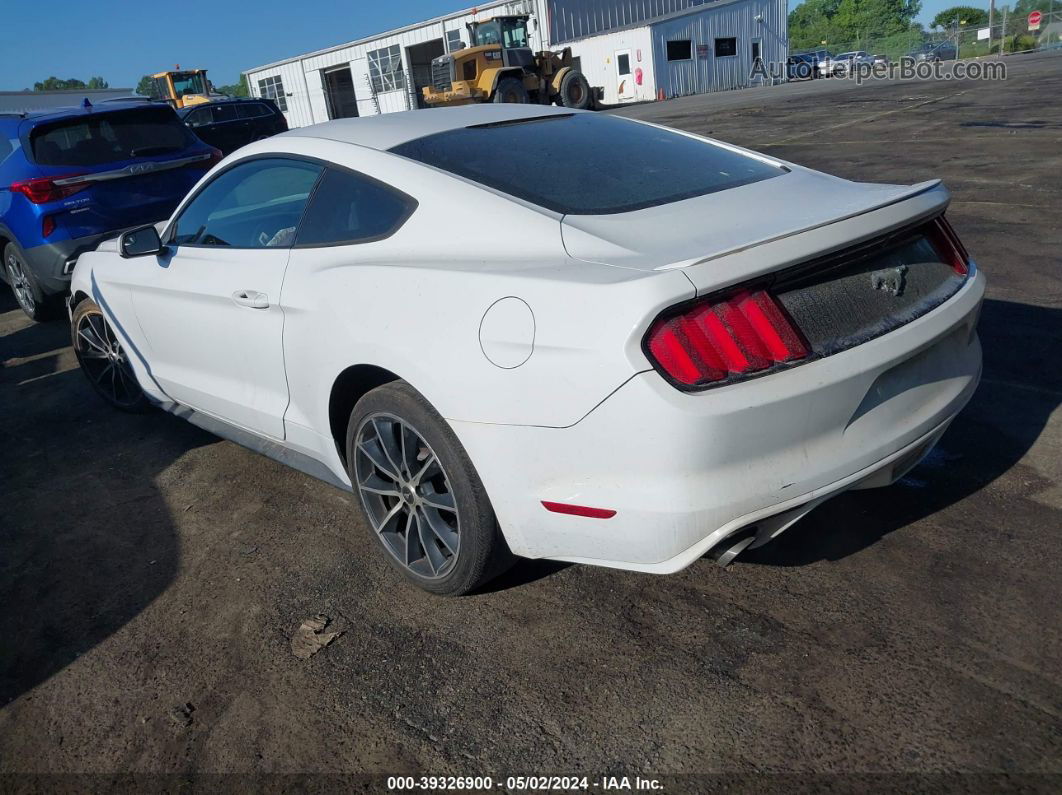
column 500, row 66
column 182, row 88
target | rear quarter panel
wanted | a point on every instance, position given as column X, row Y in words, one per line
column 413, row 304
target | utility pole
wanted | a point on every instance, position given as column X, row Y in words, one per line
column 1003, row 33
column 991, row 19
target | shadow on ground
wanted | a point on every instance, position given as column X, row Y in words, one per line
column 86, row 539
column 1021, row 387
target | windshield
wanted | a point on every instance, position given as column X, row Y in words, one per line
column 188, row 83
column 507, row 32
column 486, row 33
column 95, row 139
column 586, row 164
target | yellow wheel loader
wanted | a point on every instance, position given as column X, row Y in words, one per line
column 499, row 66
column 182, row 88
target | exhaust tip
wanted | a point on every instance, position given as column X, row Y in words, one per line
column 724, row 553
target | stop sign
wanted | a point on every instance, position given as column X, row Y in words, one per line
column 1034, row 19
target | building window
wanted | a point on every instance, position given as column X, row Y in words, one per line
column 680, row 50
column 273, row 88
column 623, row 63
column 453, row 40
column 755, row 51
column 725, row 47
column 385, row 69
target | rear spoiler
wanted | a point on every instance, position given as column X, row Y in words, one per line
column 914, row 190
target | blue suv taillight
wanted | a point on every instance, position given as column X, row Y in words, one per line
column 42, row 190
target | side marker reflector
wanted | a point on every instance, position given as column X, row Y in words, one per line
column 578, row 510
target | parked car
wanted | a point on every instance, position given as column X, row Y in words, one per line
column 941, row 51
column 846, row 61
column 230, row 124
column 72, row 176
column 686, row 356
column 805, row 65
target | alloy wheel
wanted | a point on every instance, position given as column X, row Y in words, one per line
column 407, row 496
column 20, row 285
column 105, row 361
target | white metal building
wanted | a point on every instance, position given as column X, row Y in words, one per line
column 631, row 50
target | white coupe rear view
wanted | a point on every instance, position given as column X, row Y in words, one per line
column 517, row 330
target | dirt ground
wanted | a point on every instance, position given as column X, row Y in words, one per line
column 152, row 576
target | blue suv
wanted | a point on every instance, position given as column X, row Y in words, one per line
column 71, row 177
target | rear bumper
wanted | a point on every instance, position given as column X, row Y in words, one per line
column 53, row 263
column 684, row 471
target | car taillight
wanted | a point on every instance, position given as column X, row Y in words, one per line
column 47, row 225
column 216, row 157
column 947, row 243
column 41, row 190
column 724, row 339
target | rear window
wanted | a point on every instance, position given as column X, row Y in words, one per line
column 587, row 164
column 97, row 139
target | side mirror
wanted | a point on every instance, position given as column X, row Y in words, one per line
column 139, row 242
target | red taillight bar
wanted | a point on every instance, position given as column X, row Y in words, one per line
column 947, row 243
column 724, row 339
column 41, row 190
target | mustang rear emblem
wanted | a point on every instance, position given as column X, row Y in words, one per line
column 891, row 280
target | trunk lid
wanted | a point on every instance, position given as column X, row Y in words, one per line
column 694, row 231
column 124, row 198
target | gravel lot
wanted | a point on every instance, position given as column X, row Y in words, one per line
column 152, row 576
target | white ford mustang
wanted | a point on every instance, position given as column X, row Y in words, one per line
column 516, row 330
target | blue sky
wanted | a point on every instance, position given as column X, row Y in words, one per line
column 123, row 40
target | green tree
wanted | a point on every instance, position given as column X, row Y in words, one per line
column 98, row 82
column 146, row 86
column 55, row 84
column 967, row 15
column 849, row 21
column 236, row 89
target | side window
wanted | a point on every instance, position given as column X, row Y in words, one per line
column 352, row 208
column 224, row 113
column 198, row 118
column 256, row 204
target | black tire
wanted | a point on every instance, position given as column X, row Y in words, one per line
column 575, row 91
column 104, row 361
column 31, row 299
column 481, row 552
column 511, row 90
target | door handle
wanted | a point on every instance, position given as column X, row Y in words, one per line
column 251, row 298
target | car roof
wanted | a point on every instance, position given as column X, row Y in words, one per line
column 54, row 114
column 182, row 112
column 391, row 129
